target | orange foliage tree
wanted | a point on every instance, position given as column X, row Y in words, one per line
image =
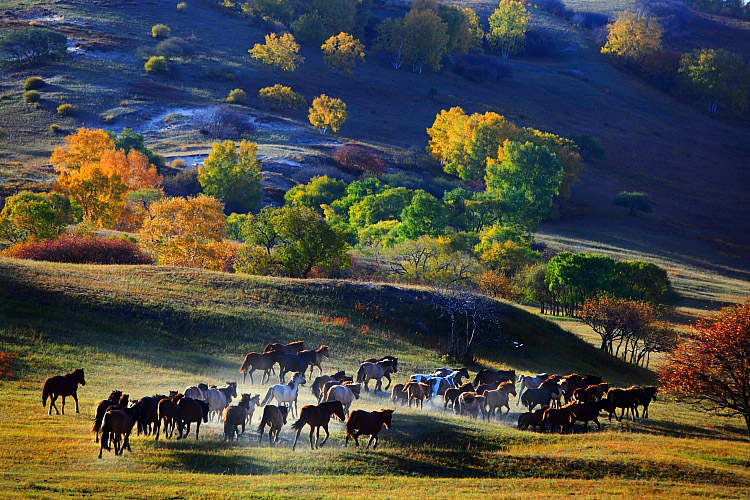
column 711, row 366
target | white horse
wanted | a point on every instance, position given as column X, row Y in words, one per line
column 218, row 399
column 529, row 382
column 346, row 394
column 286, row 393
column 438, row 385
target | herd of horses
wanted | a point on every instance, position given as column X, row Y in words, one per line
column 562, row 400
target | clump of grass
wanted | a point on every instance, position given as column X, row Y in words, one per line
column 32, row 97
column 55, row 128
column 34, row 83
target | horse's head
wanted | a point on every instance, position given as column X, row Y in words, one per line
column 463, row 373
column 299, row 379
column 255, row 400
column 172, row 394
column 233, row 385
column 387, row 415
column 338, row 410
column 284, row 410
column 323, row 350
column 652, row 392
column 79, row 376
column 355, row 388
column 114, row 396
column 395, row 364
column 339, row 375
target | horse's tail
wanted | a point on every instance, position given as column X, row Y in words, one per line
column 106, row 430
column 228, row 429
column 97, row 422
column 361, row 373
column 478, row 379
column 269, row 395
column 300, row 423
column 45, row 394
column 263, row 421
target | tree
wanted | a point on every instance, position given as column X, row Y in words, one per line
column 34, row 216
column 632, row 37
column 392, row 39
column 31, row 45
column 508, row 26
column 83, row 147
column 274, row 10
column 156, row 64
column 233, row 175
column 424, row 215
column 128, row 140
column 634, row 201
column 281, row 97
column 160, row 31
column 427, row 38
column 643, row 281
column 526, row 177
column 358, row 159
column 567, row 153
column 327, row 112
column 462, row 26
column 342, row 51
column 321, row 190
column 710, row 367
column 717, row 78
column 279, row 52
column 337, row 15
column 385, row 205
column 309, row 28
column 186, row 232
column 582, row 275
column 504, row 249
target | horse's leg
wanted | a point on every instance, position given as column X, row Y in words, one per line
column 325, row 428
column 388, row 376
column 356, row 436
column 63, row 404
column 75, row 397
column 127, row 440
column 372, row 438
column 379, row 384
column 310, row 436
column 52, row 399
column 197, row 429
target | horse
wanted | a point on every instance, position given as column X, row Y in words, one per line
column 573, row 381
column 647, row 394
column 317, row 416
column 489, row 387
column 117, row 426
column 558, row 417
column 440, row 384
column 398, row 393
column 149, row 414
column 529, row 382
column 274, row 416
column 189, row 411
column 101, row 408
column 62, row 385
column 314, row 357
column 487, row 376
column 285, row 393
column 290, row 348
column 218, row 399
column 167, row 415
column 368, row 423
column 452, row 393
column 197, row 392
column 345, row 393
column 626, row 399
column 289, row 363
column 377, row 370
column 469, row 402
column 417, row 391
column 531, row 418
column 318, row 383
column 587, row 412
column 540, row 396
column 235, row 416
column 258, row 361
column 498, row 398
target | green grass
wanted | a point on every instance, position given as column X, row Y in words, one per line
column 149, row 329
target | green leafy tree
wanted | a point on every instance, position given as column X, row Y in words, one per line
column 634, row 201
column 342, row 51
column 644, row 281
column 34, row 216
column 392, row 39
column 32, row 44
column 233, row 175
column 632, row 37
column 424, row 215
column 717, row 78
column 583, row 274
column 309, row 28
column 321, row 190
column 386, row 205
column 279, row 52
column 273, row 10
column 127, row 141
column 508, row 26
column 462, row 25
column 427, row 37
column 327, row 113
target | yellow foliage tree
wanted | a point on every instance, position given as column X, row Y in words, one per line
column 632, row 37
column 342, row 51
column 508, row 26
column 187, row 232
column 279, row 52
column 85, row 146
column 327, row 112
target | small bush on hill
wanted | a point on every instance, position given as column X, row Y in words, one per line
column 309, row 29
column 634, row 202
column 156, row 64
column 479, row 68
column 555, row 7
column 358, row 159
column 590, row 148
column 66, row 110
column 590, row 20
column 55, row 128
column 31, row 97
column 226, row 123
column 237, row 96
column 81, row 250
column 281, row 97
column 31, row 45
column 181, row 7
column 674, row 16
column 160, row 31
column 174, row 47
column 33, row 83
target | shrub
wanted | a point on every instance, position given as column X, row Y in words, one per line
column 226, row 123
column 181, row 7
column 237, row 96
column 31, row 97
column 497, row 285
column 33, row 83
column 358, row 159
column 81, row 250
column 174, row 47
column 555, row 7
column 590, row 20
column 478, row 68
column 66, row 110
column 31, row 45
column 309, row 29
column 281, row 97
column 160, row 31
column 55, row 128
column 590, row 148
column 156, row 64
column 634, row 201
column 182, row 184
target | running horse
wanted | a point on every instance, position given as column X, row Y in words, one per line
column 377, row 370
column 62, row 385
column 317, row 416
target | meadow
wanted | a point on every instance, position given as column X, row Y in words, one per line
column 151, row 329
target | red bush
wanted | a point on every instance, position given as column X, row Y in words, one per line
column 358, row 159
column 81, row 250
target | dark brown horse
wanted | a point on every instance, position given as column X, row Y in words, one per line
column 626, row 399
column 290, row 348
column 116, row 427
column 317, row 416
column 587, row 412
column 235, row 416
column 488, row 376
column 258, row 361
column 189, row 411
column 101, row 408
column 314, row 357
column 149, row 417
column 167, row 415
column 531, row 418
column 368, row 423
column 319, row 382
column 452, row 393
column 274, row 416
column 399, row 394
column 62, row 385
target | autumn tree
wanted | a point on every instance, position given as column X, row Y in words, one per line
column 341, row 52
column 83, row 147
column 717, row 78
column 327, row 113
column 427, row 37
column 279, row 52
column 34, row 216
column 186, row 232
column 233, row 175
column 508, row 26
column 632, row 37
column 281, row 97
column 710, row 367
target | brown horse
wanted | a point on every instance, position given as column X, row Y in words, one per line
column 315, row 357
column 488, row 376
column 531, row 418
column 235, row 416
column 368, row 423
column 62, row 385
column 149, row 417
column 452, row 393
column 275, row 417
column 587, row 412
column 417, row 391
column 117, row 426
column 258, row 361
column 167, row 415
column 626, row 399
column 189, row 411
column 290, row 348
column 319, row 382
column 101, row 408
column 398, row 393
column 317, row 416
column 558, row 417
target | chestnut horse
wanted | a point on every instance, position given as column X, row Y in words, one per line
column 452, row 393
column 258, row 361
column 290, row 348
column 319, row 382
column 62, row 385
column 117, row 426
column 275, row 417
column 167, row 415
column 368, row 423
column 488, row 376
column 317, row 416
column 101, row 408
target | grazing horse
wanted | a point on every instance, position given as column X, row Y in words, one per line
column 274, row 416
column 377, row 370
column 452, row 393
column 101, row 408
column 149, row 414
column 398, row 393
column 290, row 348
column 319, row 382
column 314, row 357
column 197, row 392
column 417, row 391
column 285, row 393
column 368, row 423
column 62, row 385
column 345, row 394
column 235, row 416
column 469, row 402
column 189, row 411
column 218, row 399
column 167, row 414
column 587, row 412
column 531, row 418
column 487, row 376
column 626, row 399
column 117, row 426
column 498, row 398
column 529, row 382
column 257, row 361
column 317, row 416
column 541, row 396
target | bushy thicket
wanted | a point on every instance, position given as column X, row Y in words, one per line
column 358, row 159
column 184, row 184
column 81, row 250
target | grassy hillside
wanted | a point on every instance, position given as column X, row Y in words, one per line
column 151, row 329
